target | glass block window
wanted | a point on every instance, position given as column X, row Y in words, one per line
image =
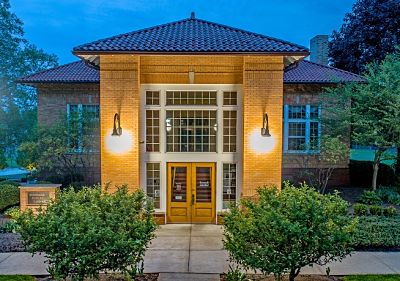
column 191, row 130
column 230, row 98
column 153, row 183
column 152, row 98
column 229, row 132
column 152, row 130
column 191, row 97
column 302, row 130
column 83, row 127
column 229, row 184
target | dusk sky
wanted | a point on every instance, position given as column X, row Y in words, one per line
column 58, row 25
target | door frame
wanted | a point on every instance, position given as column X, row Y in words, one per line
column 190, row 190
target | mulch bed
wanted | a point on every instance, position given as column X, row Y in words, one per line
column 11, row 242
column 257, row 277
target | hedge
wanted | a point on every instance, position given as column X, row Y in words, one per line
column 9, row 196
column 377, row 232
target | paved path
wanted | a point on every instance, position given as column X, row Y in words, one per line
column 192, row 249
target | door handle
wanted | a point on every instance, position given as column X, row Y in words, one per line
column 192, row 199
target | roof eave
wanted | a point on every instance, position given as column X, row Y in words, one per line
column 82, row 53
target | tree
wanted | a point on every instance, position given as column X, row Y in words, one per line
column 282, row 231
column 368, row 34
column 18, row 103
column 372, row 109
column 333, row 151
column 62, row 151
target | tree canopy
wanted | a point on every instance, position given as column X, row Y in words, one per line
column 369, row 32
column 18, row 58
column 371, row 109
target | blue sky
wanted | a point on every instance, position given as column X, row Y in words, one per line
column 58, row 25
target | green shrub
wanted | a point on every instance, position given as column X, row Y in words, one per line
column 390, row 211
column 375, row 210
column 370, row 198
column 10, row 182
column 282, row 231
column 389, row 195
column 234, row 274
column 377, row 232
column 360, row 209
column 9, row 196
column 85, row 232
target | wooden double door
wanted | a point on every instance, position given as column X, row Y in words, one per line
column 191, row 193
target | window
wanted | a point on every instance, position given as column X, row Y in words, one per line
column 229, row 185
column 191, row 130
column 152, row 130
column 191, row 97
column 302, row 128
column 230, row 98
column 83, row 127
column 229, row 131
column 152, row 98
column 153, row 183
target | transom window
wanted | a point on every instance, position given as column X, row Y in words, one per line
column 152, row 98
column 301, row 128
column 191, row 97
column 191, row 130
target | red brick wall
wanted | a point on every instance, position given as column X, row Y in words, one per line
column 303, row 94
column 52, row 107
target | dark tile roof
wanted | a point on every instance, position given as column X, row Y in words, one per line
column 306, row 72
column 311, row 72
column 75, row 72
column 191, row 35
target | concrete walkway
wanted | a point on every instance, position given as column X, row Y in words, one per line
column 189, row 249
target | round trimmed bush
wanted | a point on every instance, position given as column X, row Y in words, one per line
column 9, row 196
column 375, row 210
column 83, row 233
column 390, row 211
column 360, row 209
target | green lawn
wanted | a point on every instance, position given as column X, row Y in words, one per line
column 372, row 278
column 17, row 278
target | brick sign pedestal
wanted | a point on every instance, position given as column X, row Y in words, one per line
column 34, row 196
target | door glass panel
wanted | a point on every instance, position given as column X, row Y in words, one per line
column 178, row 177
column 203, row 184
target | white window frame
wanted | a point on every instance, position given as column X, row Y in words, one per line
column 307, row 120
column 219, row 157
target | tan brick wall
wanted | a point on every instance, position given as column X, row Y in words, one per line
column 207, row 69
column 263, row 93
column 119, row 93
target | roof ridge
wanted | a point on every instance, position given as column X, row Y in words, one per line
column 202, row 21
column 46, row 70
column 132, row 32
column 335, row 68
column 251, row 32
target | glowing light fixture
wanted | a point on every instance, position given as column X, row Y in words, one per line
column 120, row 145
column 265, row 127
column 261, row 144
column 117, row 130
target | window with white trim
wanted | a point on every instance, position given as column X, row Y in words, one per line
column 302, row 128
column 83, row 127
column 229, row 184
column 153, row 183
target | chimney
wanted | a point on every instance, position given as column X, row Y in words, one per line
column 319, row 49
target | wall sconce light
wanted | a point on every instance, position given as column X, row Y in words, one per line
column 168, row 125
column 265, row 127
column 117, row 130
column 215, row 127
